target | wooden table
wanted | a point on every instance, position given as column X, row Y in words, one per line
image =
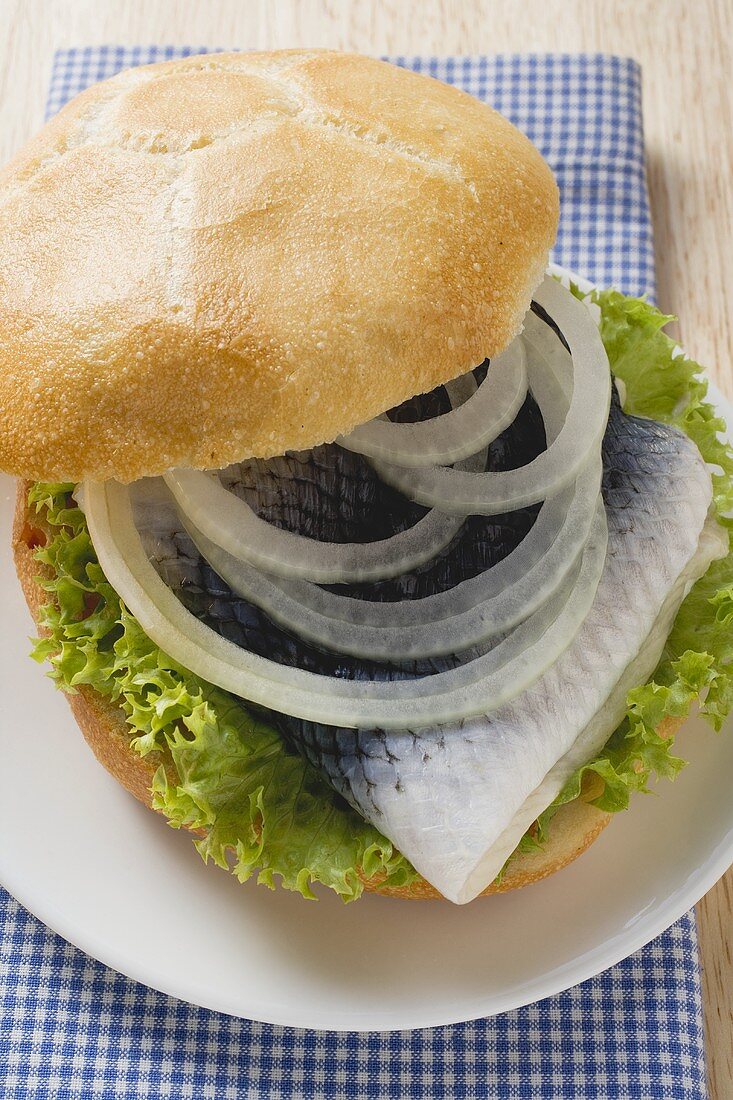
column 683, row 47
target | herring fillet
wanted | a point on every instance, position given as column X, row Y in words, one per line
column 456, row 799
column 451, row 799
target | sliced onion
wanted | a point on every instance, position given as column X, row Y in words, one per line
column 542, row 344
column 451, row 621
column 228, row 521
column 458, row 433
column 473, row 688
column 488, row 493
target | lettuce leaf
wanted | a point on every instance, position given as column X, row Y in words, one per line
column 258, row 807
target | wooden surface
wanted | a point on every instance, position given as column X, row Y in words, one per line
column 684, row 49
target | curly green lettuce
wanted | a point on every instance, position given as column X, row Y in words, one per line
column 259, row 808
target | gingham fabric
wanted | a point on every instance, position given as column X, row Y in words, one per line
column 71, row 1028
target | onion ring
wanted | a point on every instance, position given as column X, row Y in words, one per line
column 476, row 687
column 488, row 493
column 468, row 614
column 229, row 522
column 456, row 434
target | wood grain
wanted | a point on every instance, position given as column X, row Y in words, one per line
column 684, row 50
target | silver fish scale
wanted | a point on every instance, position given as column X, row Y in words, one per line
column 335, row 494
column 445, row 796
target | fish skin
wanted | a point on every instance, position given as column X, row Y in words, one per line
column 447, row 796
column 464, row 786
column 300, row 495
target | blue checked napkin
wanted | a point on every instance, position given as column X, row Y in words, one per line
column 71, row 1028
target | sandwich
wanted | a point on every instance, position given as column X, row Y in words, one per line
column 364, row 548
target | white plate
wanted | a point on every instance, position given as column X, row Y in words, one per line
column 112, row 878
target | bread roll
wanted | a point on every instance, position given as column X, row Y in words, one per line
column 241, row 254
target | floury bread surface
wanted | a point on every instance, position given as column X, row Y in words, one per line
column 242, row 254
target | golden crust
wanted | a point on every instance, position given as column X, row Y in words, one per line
column 241, row 254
